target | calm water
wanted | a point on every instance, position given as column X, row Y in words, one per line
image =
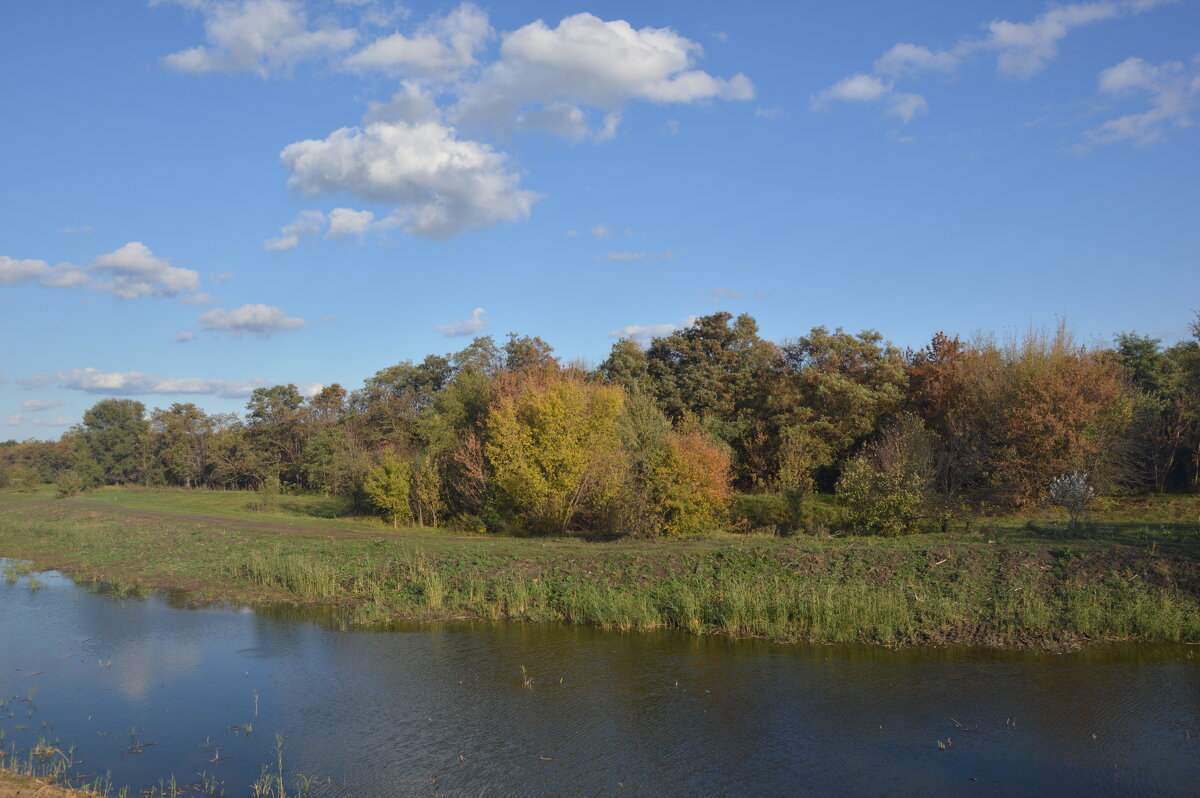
column 441, row 709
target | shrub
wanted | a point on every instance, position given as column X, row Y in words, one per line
column 888, row 501
column 68, row 483
column 386, row 489
column 1072, row 492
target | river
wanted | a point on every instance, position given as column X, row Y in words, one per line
column 155, row 686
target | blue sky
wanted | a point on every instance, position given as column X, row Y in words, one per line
column 203, row 196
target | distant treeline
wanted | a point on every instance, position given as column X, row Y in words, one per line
column 659, row 438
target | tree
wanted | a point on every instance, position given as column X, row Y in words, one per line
column 886, row 487
column 627, row 366
column 386, row 489
column 690, row 485
column 182, row 441
column 275, row 429
column 553, row 446
column 836, row 389
column 1066, row 408
column 111, row 444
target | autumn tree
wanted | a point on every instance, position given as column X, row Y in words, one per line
column 386, row 488
column 553, row 446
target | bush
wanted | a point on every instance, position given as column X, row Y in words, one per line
column 386, row 489
column 68, row 483
column 27, row 480
column 1073, row 492
column 888, row 501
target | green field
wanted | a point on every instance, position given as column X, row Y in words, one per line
column 1132, row 574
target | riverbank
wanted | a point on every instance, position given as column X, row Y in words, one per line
column 1010, row 583
column 13, row 785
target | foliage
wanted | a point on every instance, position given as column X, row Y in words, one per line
column 690, row 484
column 386, row 488
column 553, row 446
column 68, row 483
column 111, row 448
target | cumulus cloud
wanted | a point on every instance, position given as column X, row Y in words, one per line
column 132, row 383
column 136, row 272
column 38, row 405
column 129, row 272
column 587, row 61
column 572, row 80
column 440, row 184
column 81, row 230
column 411, row 104
column 600, row 231
column 14, row 419
column 184, row 336
column 348, row 223
column 1172, row 88
column 15, row 272
column 440, row 49
column 1021, row 50
column 260, row 320
column 644, row 332
column 624, row 256
column 469, row 326
column 306, row 223
column 267, row 37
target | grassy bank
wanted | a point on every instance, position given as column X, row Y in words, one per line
column 13, row 785
column 1133, row 575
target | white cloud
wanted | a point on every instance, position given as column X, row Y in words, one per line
column 136, row 272
column 600, row 231
column 14, row 419
column 129, row 383
column 38, row 405
column 439, row 49
column 201, row 298
column 65, row 275
column 1021, row 50
column 726, row 293
column 81, row 230
column 773, row 112
column 625, row 256
column 15, row 272
column 644, row 332
column 306, row 223
column 221, row 277
column 184, row 336
column 260, row 320
column 411, row 104
column 263, row 36
column 1173, row 89
column 905, row 106
column 442, row 185
column 588, row 61
column 469, row 326
column 855, row 88
column 347, row 223
column 906, row 59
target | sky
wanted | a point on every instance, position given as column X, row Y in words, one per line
column 201, row 197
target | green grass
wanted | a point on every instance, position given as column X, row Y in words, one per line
column 1008, row 582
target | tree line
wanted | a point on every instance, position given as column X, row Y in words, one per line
column 671, row 436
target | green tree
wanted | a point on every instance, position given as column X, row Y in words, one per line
column 111, row 446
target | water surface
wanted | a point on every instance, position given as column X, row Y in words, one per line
column 442, row 709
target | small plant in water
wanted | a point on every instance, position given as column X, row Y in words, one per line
column 1072, row 492
column 526, row 679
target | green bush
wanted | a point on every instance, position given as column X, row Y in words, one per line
column 68, row 483
column 887, row 501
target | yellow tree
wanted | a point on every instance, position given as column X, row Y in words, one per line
column 553, row 445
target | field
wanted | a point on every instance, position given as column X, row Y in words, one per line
column 1132, row 574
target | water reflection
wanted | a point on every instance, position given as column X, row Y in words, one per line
column 442, row 709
